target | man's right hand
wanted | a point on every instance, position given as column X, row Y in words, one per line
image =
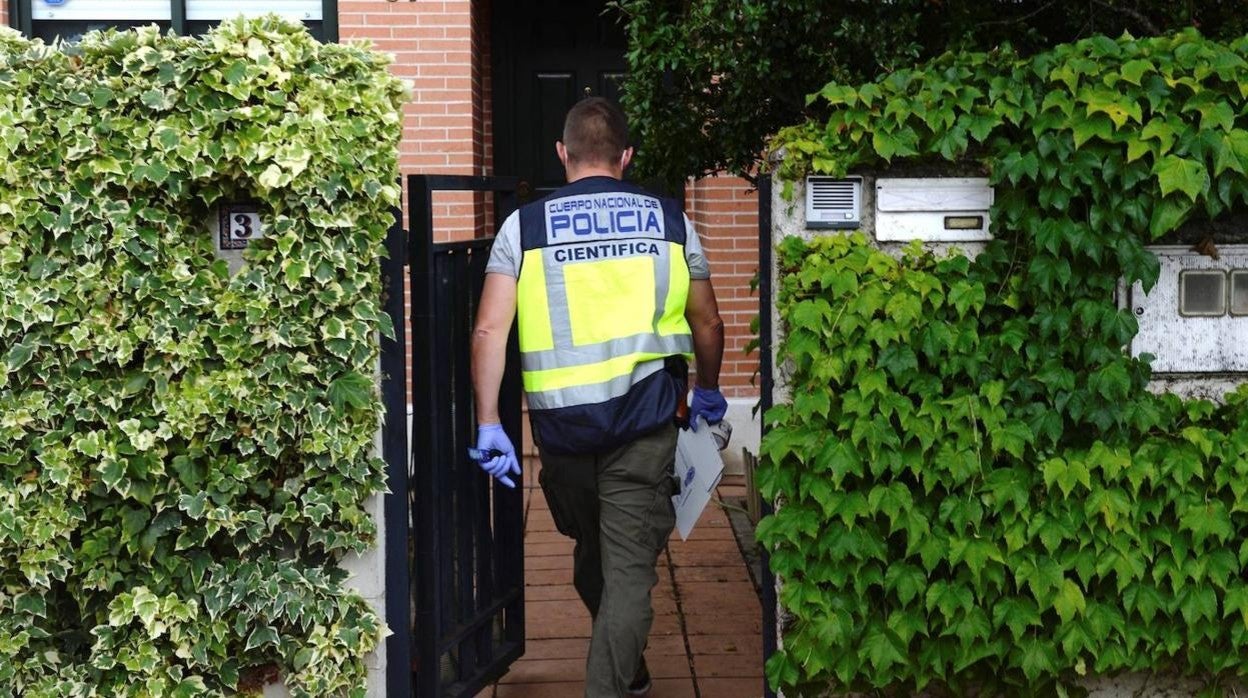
column 492, row 436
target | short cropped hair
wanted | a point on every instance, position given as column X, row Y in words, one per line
column 595, row 131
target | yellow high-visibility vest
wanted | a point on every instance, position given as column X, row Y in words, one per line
column 601, row 305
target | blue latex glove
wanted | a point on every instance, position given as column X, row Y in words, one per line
column 707, row 403
column 492, row 437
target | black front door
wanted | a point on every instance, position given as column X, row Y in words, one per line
column 547, row 55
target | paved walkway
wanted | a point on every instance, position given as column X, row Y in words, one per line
column 706, row 640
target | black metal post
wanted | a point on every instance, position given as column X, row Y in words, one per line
column 765, row 290
column 23, row 17
column 177, row 16
column 425, row 435
column 329, row 20
column 396, row 454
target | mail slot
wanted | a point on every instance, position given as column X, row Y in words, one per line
column 933, row 209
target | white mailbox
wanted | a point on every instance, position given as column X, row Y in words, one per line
column 1195, row 320
column 933, row 209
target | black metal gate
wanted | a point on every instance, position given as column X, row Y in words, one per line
column 454, row 539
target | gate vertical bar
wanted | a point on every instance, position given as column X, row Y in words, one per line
column 484, row 637
column 467, row 477
column 766, row 379
column 424, row 432
column 22, row 19
column 510, row 539
column 177, row 17
column 396, row 454
column 439, row 465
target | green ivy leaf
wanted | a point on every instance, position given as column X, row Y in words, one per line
column 906, row 581
column 262, row 635
column 1209, row 519
column 1175, row 173
column 1069, row 601
column 1011, row 438
column 1168, row 214
column 351, row 390
column 19, row 355
column 900, row 143
column 883, row 649
column 1017, row 614
column 1037, row 657
column 1133, row 70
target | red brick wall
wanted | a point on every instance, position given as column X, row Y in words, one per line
column 434, row 44
column 4, row 14
column 725, row 212
column 442, row 50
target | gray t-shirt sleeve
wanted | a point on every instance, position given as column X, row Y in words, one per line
column 698, row 266
column 505, row 256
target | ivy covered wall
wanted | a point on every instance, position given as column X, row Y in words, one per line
column 979, row 494
column 185, row 452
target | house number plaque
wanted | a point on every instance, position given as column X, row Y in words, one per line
column 239, row 224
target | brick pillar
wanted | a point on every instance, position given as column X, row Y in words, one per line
column 441, row 48
column 725, row 212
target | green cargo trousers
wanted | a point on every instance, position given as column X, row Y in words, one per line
column 618, row 508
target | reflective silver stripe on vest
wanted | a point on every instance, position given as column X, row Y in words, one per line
column 603, row 351
column 662, row 283
column 557, row 301
column 596, row 393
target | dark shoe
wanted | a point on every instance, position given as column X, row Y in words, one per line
column 641, row 681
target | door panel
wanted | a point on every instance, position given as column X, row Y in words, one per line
column 556, row 93
column 547, row 55
column 610, row 85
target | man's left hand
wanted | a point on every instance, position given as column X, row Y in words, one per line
column 708, row 403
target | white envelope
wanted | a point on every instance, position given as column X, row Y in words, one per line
column 699, row 467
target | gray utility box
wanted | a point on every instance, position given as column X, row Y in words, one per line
column 1195, row 320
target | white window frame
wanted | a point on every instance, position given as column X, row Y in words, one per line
column 25, row 15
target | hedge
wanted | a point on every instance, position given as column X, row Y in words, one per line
column 980, row 494
column 185, row 452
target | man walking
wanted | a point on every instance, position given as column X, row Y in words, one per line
column 614, row 296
